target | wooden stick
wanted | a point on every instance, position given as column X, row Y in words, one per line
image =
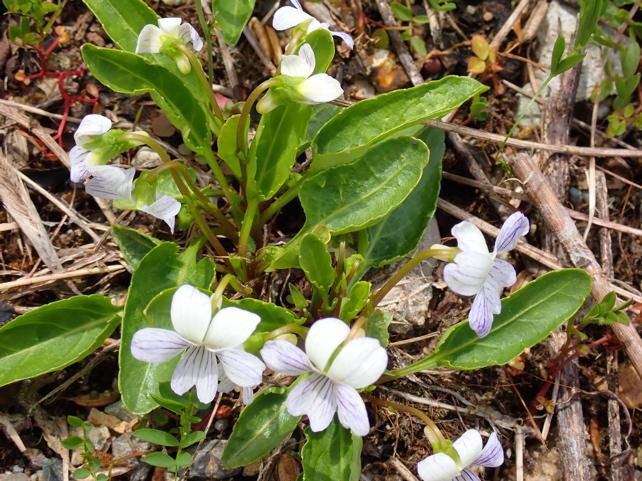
column 27, row 281
column 559, row 221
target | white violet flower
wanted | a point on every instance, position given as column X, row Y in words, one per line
column 477, row 272
column 300, row 82
column 288, row 17
column 214, row 357
column 150, row 38
column 107, row 181
column 469, row 447
column 329, row 389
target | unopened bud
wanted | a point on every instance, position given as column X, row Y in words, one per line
column 444, row 253
column 289, row 337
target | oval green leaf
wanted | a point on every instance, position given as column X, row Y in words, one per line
column 331, row 455
column 133, row 245
column 54, row 336
column 528, row 316
column 230, row 18
column 358, row 127
column 261, row 427
column 316, row 263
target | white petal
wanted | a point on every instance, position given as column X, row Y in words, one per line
column 225, row 384
column 515, row 226
column 149, row 39
column 492, row 455
column 438, row 467
column 230, row 328
column 190, row 35
column 285, row 358
column 288, row 17
column 502, row 274
column 316, row 25
column 323, row 338
column 156, row 345
column 191, row 313
column 469, row 237
column 92, row 124
column 196, row 368
column 169, row 25
column 247, row 395
column 295, row 66
column 467, row 475
column 242, row 368
column 110, row 183
column 469, row 446
column 307, row 54
column 165, row 208
column 352, row 410
column 468, row 273
column 314, row 397
column 347, row 38
column 359, row 363
column 79, row 156
column 320, row 88
column 485, row 305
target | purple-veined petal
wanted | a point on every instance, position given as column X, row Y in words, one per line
column 79, row 157
column 285, row 358
column 467, row 475
column 165, row 208
column 492, row 455
column 351, row 410
column 247, row 395
column 169, row 25
column 196, row 368
column 485, row 305
column 149, row 39
column 320, row 88
column 230, row 328
column 468, row 273
column 469, row 238
column 109, row 182
column 502, row 274
column 359, row 363
column 468, row 446
column 514, row 227
column 287, row 17
column 242, row 368
column 154, row 345
column 316, row 398
column 295, row 66
column 323, row 338
column 438, row 467
column 191, row 312
column 91, row 125
column 190, row 35
column 307, row 54
column 347, row 38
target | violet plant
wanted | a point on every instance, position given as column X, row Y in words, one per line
column 195, row 316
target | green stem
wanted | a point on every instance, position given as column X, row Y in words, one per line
column 207, row 86
column 241, row 138
column 208, row 39
column 288, row 329
column 246, row 227
column 274, row 208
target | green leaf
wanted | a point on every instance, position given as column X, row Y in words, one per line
column 351, row 197
column 333, row 454
column 156, row 436
column 355, row 301
column 122, row 19
column 81, row 473
column 138, row 381
column 528, row 316
column 378, row 324
column 227, row 146
column 72, row 442
column 556, row 56
column 275, row 147
column 316, row 262
column 184, row 460
column 272, row 316
column 401, row 11
column 321, row 113
column 161, row 460
column 54, row 336
column 347, row 135
column 230, row 18
column 630, row 57
column 401, row 230
column 590, row 13
column 129, row 73
column 261, row 427
column 192, row 438
column 418, row 45
column 75, row 421
column 133, row 245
